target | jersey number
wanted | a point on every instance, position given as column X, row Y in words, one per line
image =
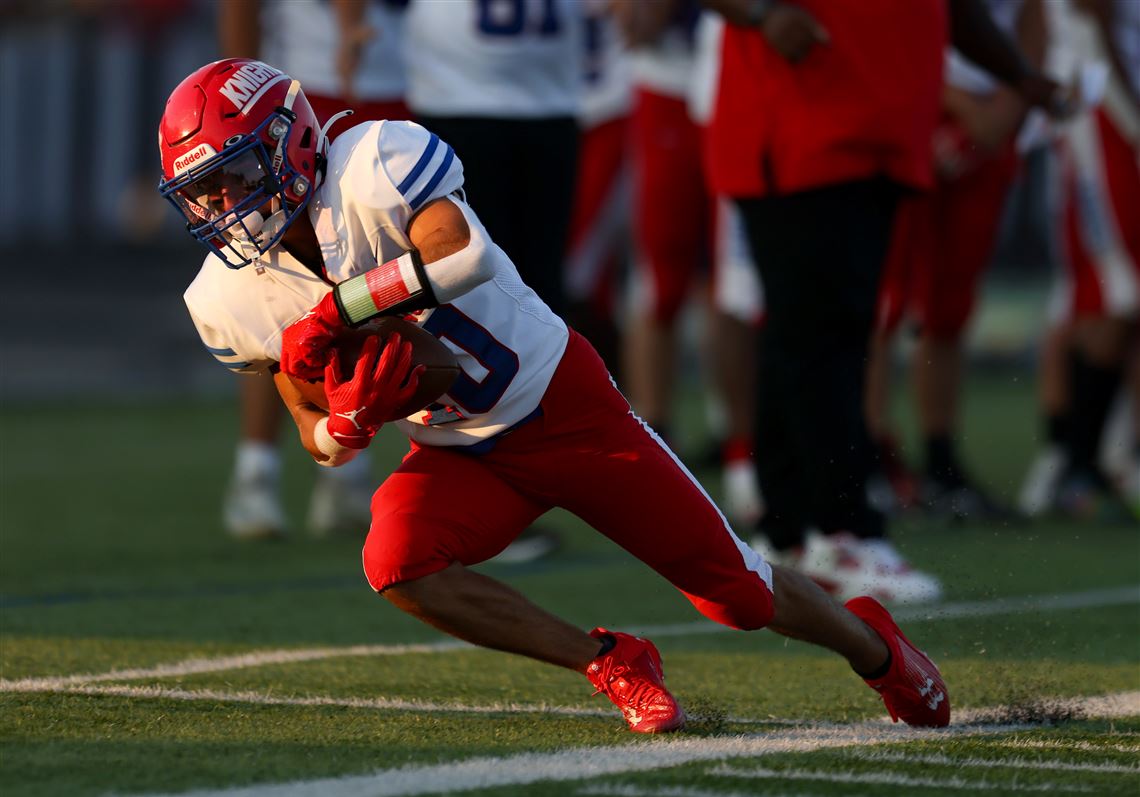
column 509, row 18
column 500, row 363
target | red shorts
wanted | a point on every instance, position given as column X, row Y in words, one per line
column 586, row 453
column 1100, row 219
column 327, row 107
column 941, row 244
column 672, row 210
column 599, row 224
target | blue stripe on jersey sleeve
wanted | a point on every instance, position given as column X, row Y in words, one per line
column 448, row 157
column 421, row 164
column 237, row 366
column 220, row 352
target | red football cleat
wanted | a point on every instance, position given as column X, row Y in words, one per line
column 913, row 689
column 631, row 676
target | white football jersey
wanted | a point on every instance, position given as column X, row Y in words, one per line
column 301, row 38
column 507, row 341
column 666, row 66
column 493, row 58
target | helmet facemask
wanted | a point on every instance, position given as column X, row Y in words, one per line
column 237, row 202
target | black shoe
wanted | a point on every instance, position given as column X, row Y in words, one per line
column 958, row 499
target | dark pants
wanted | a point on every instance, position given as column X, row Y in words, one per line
column 519, row 175
column 820, row 253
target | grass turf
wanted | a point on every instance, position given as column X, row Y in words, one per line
column 111, row 556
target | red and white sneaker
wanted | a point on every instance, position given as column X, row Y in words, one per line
column 913, row 689
column 631, row 676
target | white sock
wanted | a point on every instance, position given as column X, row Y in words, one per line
column 256, row 460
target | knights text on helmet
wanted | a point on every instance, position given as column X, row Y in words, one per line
column 247, row 84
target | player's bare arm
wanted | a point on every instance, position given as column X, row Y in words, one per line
column 306, row 415
column 439, row 230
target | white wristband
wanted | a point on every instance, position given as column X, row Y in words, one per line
column 327, row 445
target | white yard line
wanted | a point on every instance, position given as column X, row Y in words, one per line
column 1114, row 596
column 586, row 762
column 992, row 763
column 887, row 779
column 380, row 704
column 240, row 661
column 1073, row 600
column 646, row 755
column 1121, row 704
column 1083, row 747
column 619, row 790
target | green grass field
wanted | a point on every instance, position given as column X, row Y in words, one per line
column 144, row 652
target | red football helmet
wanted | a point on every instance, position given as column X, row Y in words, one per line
column 242, row 153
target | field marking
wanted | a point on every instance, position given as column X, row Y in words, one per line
column 198, row 665
column 626, row 790
column 589, row 762
column 637, row 756
column 993, row 763
column 1084, row 747
column 1120, row 704
column 1089, row 599
column 885, row 779
column 377, row 703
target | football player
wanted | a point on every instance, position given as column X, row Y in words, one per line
column 348, row 55
column 306, row 241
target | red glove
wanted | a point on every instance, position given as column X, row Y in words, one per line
column 305, row 343
column 380, row 385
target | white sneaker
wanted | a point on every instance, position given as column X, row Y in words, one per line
column 891, row 579
column 763, row 546
column 252, row 509
column 743, row 501
column 1039, row 491
column 534, row 543
column 340, row 505
column 848, row 567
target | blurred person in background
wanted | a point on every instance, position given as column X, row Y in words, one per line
column 681, row 232
column 824, row 117
column 500, row 82
column 348, row 55
column 599, row 224
column 942, row 242
column 1091, row 353
column 672, row 210
column 735, row 312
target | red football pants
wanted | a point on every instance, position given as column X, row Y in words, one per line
column 586, row 453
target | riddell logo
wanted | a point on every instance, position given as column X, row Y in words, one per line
column 246, row 84
column 199, row 153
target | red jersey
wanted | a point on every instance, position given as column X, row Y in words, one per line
column 864, row 104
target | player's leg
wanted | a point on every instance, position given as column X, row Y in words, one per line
column 599, row 227
column 252, row 505
column 438, row 512
column 964, row 218
column 443, row 510
column 891, row 484
column 734, row 326
column 669, row 218
column 598, row 460
column 1103, row 251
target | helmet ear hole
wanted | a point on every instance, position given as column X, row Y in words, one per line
column 307, row 138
